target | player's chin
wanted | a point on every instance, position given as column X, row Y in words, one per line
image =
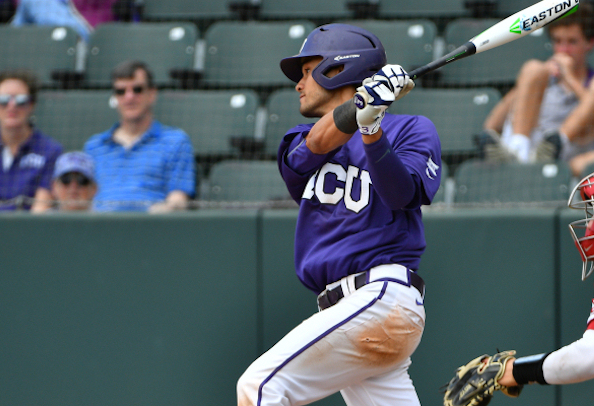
column 309, row 111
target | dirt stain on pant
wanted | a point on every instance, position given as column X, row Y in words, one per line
column 387, row 342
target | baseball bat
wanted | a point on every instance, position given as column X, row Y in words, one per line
column 515, row 26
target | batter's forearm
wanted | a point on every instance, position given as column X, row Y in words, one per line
column 325, row 137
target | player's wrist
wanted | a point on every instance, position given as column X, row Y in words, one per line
column 368, row 116
column 529, row 369
column 508, row 376
column 345, row 117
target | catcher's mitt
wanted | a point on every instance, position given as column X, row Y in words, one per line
column 475, row 382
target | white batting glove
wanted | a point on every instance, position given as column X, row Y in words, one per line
column 372, row 99
column 377, row 94
column 397, row 78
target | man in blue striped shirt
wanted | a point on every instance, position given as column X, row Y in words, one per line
column 140, row 164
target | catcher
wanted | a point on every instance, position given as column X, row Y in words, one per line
column 475, row 382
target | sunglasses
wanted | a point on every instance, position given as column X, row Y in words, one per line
column 20, row 100
column 120, row 91
column 79, row 178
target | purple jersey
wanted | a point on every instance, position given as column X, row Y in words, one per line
column 32, row 168
column 350, row 216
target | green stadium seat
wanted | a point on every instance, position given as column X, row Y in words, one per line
column 186, row 9
column 409, row 43
column 505, row 8
column 40, row 49
column 498, row 66
column 210, row 117
column 246, row 181
column 248, row 53
column 422, row 9
column 282, row 108
column 458, row 114
column 73, row 116
column 314, row 9
column 481, row 182
column 163, row 46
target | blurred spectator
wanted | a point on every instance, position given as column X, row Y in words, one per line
column 7, row 9
column 96, row 11
column 544, row 95
column 579, row 126
column 51, row 12
column 141, row 164
column 73, row 185
column 27, row 155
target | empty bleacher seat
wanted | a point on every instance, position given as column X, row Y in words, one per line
column 73, row 116
column 314, row 9
column 163, row 46
column 210, row 117
column 497, row 66
column 186, row 9
column 506, row 8
column 409, row 43
column 424, row 9
column 458, row 114
column 481, row 182
column 246, row 181
column 249, row 53
column 40, row 49
column 282, row 108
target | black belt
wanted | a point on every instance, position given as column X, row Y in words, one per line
column 331, row 297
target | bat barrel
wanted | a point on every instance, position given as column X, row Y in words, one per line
column 523, row 23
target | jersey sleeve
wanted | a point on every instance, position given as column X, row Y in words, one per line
column 571, row 364
column 296, row 162
column 419, row 148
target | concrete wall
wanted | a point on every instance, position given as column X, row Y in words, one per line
column 169, row 310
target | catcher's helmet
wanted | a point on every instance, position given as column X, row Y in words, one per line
column 359, row 51
column 582, row 231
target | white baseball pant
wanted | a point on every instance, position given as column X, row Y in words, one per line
column 361, row 347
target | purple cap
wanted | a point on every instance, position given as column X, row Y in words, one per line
column 75, row 162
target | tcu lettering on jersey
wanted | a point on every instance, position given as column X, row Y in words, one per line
column 315, row 186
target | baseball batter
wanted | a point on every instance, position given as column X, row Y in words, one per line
column 360, row 176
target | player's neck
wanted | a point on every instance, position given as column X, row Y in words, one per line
column 343, row 95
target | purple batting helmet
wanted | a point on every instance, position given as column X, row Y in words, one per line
column 359, row 51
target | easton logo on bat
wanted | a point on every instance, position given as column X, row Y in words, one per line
column 525, row 23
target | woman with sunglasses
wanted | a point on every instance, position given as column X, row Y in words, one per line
column 27, row 156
